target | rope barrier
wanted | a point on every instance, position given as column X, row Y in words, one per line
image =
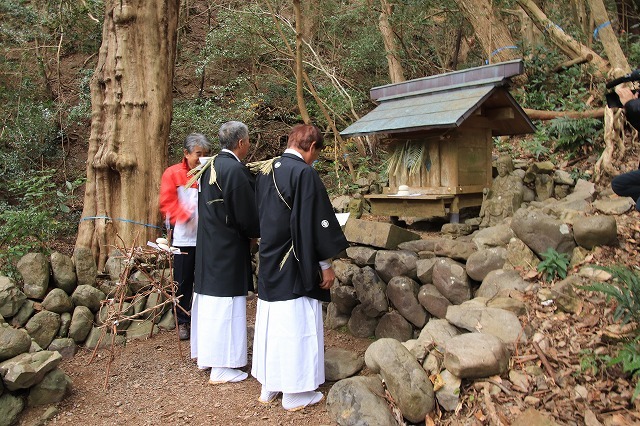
column 121, row 220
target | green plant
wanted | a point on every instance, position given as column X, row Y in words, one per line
column 574, row 134
column 590, row 362
column 554, row 265
column 629, row 358
column 34, row 213
column 624, row 288
column 536, row 144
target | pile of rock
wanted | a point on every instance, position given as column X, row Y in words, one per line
column 61, row 305
column 448, row 307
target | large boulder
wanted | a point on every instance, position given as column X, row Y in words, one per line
column 89, row 296
column 51, row 389
column 43, row 327
column 34, row 268
column 28, row 369
column 377, row 234
column 540, row 232
column 13, row 342
column 359, row 401
column 63, row 272
column 475, row 355
column 58, row 301
column 406, row 380
column 11, row 298
column 86, row 268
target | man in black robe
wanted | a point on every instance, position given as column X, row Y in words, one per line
column 228, row 222
column 299, row 235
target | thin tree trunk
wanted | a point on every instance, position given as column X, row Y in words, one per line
column 608, row 38
column 302, row 106
column 396, row 72
column 131, row 103
column 567, row 44
column 303, row 75
column 536, row 114
column 581, row 19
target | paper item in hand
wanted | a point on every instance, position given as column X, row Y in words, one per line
column 173, row 250
column 342, row 218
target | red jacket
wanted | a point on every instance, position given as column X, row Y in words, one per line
column 172, row 178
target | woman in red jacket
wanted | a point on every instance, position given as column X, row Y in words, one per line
column 179, row 205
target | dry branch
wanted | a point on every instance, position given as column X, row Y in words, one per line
column 119, row 315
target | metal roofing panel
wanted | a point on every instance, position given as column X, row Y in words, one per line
column 435, row 110
column 469, row 76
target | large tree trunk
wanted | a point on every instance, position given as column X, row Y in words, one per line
column 131, row 106
column 396, row 72
column 491, row 31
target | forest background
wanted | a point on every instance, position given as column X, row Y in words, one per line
column 236, row 60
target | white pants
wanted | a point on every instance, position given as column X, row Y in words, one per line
column 288, row 345
column 219, row 331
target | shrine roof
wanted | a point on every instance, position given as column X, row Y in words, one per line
column 447, row 101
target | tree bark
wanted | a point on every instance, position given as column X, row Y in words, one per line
column 613, row 120
column 581, row 19
column 491, row 31
column 608, row 38
column 131, row 107
column 562, row 40
column 536, row 114
column 302, row 106
column 396, row 72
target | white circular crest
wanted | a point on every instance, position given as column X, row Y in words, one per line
column 277, row 165
column 325, row 223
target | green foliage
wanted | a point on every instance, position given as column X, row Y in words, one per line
column 81, row 112
column 34, row 213
column 624, row 289
column 553, row 91
column 537, row 145
column 572, row 134
column 629, row 358
column 631, row 45
column 554, row 265
column 590, row 362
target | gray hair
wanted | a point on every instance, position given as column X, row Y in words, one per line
column 195, row 140
column 231, row 133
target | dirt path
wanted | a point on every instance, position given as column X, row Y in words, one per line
column 150, row 384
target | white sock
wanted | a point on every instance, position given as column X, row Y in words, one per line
column 224, row 375
column 297, row 401
column 267, row 396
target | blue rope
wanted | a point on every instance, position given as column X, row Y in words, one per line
column 121, row 220
column 599, row 27
column 498, row 51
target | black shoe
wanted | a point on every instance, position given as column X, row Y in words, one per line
column 183, row 332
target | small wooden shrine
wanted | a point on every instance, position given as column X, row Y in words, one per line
column 440, row 131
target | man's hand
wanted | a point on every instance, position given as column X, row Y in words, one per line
column 328, row 276
column 625, row 94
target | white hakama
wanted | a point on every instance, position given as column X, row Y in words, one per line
column 288, row 345
column 219, row 331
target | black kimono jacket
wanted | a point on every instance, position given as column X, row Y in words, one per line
column 228, row 219
column 298, row 229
